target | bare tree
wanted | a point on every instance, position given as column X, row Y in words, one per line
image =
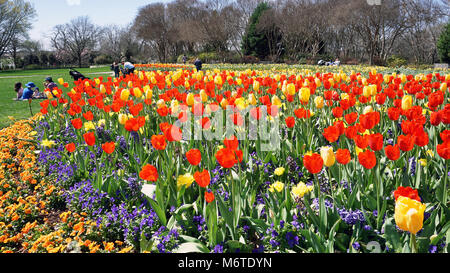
column 76, row 39
column 15, row 19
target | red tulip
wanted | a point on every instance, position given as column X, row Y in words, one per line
column 376, row 142
column 406, row 192
column 77, row 123
column 194, row 157
column 70, row 147
column 392, row 152
column 343, row 156
column 202, row 178
column 405, row 143
column 331, row 133
column 159, row 142
column 367, row 159
column 313, row 163
column 290, row 122
column 89, row 138
column 149, row 173
column 443, row 150
column 109, row 147
column 226, row 158
column 209, row 197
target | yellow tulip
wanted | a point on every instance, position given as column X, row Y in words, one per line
column 277, row 186
column 304, row 95
column 279, row 171
column 124, row 95
column 328, row 156
column 256, row 85
column 301, row 189
column 137, row 92
column 276, row 101
column 409, row 214
column 319, row 102
column 102, row 89
column 291, row 89
column 203, row 95
column 252, row 99
column 407, row 102
column 61, row 81
column 367, row 91
column 190, row 99
column 123, row 119
column 443, row 87
column 185, row 180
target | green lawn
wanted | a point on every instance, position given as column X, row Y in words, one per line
column 19, row 109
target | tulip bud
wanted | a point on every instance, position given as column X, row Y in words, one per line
column 61, row 81
column 327, row 155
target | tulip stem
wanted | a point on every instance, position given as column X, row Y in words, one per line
column 444, row 190
column 413, row 243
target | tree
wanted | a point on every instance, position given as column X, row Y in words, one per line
column 15, row 18
column 76, row 39
column 443, row 45
column 255, row 41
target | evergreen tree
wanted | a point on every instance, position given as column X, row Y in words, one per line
column 443, row 45
column 255, row 42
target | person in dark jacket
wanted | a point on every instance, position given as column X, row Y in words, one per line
column 116, row 68
column 198, row 64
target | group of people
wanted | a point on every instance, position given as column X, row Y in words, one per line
column 31, row 91
column 335, row 63
column 127, row 68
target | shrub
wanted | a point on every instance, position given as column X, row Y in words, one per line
column 208, row 57
column 32, row 67
column 396, row 61
column 250, row 59
column 103, row 59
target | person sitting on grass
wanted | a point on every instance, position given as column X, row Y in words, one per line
column 19, row 90
column 49, row 84
column 28, row 91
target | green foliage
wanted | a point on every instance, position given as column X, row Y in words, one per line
column 103, row 59
column 208, row 57
column 255, row 42
column 396, row 61
column 443, row 45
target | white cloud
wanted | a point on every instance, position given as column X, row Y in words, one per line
column 73, row 2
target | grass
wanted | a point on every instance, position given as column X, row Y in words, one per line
column 15, row 110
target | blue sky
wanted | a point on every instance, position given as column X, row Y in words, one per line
column 102, row 12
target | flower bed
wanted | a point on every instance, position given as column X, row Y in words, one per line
column 237, row 161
